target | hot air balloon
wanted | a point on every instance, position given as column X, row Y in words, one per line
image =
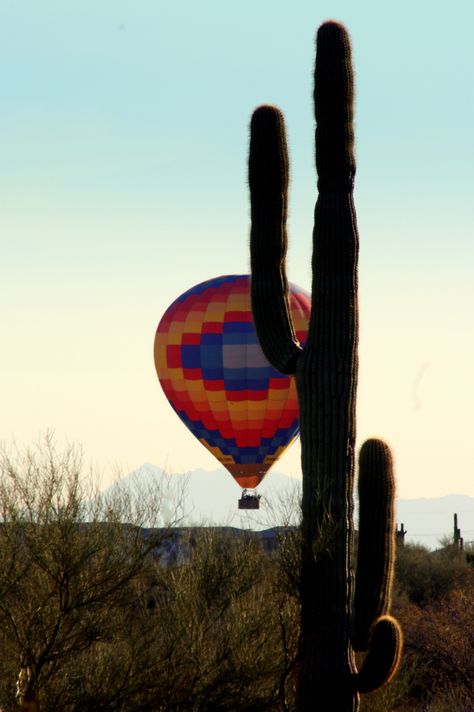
column 216, row 378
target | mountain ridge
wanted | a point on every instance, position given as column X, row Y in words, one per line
column 211, row 496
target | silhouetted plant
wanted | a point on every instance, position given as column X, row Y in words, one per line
column 325, row 370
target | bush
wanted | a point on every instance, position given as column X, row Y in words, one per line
column 426, row 576
column 69, row 569
column 92, row 620
column 226, row 624
column 440, row 639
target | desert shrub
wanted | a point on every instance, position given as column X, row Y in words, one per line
column 70, row 569
column 93, row 620
column 426, row 576
column 236, row 629
column 440, row 639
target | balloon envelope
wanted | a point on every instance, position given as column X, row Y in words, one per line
column 216, row 378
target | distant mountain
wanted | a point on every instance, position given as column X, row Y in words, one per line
column 210, row 498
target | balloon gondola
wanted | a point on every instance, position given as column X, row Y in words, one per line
column 216, row 378
column 249, row 500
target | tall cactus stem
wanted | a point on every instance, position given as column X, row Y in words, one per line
column 326, row 382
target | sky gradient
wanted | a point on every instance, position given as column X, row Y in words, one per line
column 124, row 140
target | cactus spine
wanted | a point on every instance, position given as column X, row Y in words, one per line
column 326, row 379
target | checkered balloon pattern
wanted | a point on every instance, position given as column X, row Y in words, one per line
column 216, row 378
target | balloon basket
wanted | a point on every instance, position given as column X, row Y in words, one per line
column 249, row 500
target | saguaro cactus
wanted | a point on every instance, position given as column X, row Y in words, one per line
column 334, row 623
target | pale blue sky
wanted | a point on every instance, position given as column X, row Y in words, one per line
column 124, row 135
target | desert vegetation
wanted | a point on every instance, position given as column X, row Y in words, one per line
column 92, row 616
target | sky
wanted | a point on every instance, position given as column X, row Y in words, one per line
column 124, row 141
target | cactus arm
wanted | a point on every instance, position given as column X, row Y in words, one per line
column 373, row 629
column 268, row 182
column 376, row 545
column 382, row 660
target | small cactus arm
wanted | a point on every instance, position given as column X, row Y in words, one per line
column 373, row 630
column 383, row 657
column 376, row 540
column 326, row 379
